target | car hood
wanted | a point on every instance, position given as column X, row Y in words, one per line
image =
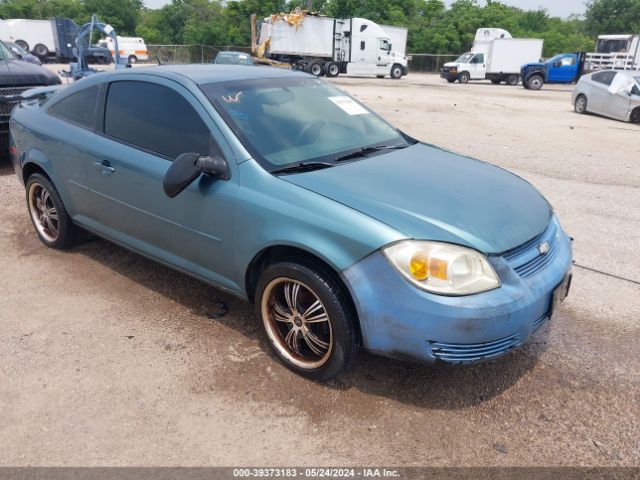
column 21, row 74
column 534, row 64
column 451, row 64
column 428, row 193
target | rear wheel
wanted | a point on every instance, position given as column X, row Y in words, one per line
column 635, row 116
column 308, row 319
column 331, row 69
column 464, row 77
column 581, row 104
column 23, row 45
column 41, row 50
column 316, row 68
column 132, row 59
column 513, row 80
column 48, row 215
column 535, row 83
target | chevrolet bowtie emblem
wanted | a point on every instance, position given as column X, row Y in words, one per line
column 544, row 247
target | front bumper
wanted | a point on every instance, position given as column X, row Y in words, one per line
column 402, row 321
column 448, row 73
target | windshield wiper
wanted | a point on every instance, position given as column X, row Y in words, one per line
column 303, row 167
column 364, row 151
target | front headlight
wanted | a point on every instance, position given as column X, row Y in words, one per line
column 442, row 268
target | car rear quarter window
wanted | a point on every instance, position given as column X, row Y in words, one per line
column 81, row 108
column 154, row 118
column 604, row 77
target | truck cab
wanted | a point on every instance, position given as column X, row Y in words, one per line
column 468, row 66
column 563, row 68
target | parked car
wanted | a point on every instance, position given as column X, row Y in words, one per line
column 612, row 93
column 99, row 55
column 20, row 53
column 16, row 77
column 233, row 58
column 278, row 187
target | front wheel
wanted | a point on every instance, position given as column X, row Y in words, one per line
column 396, row 72
column 464, row 77
column 581, row 104
column 308, row 319
column 48, row 215
column 535, row 83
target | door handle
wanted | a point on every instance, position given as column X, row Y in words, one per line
column 105, row 166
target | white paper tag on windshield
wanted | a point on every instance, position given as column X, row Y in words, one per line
column 349, row 105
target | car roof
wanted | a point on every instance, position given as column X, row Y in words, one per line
column 206, row 73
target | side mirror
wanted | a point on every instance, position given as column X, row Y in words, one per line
column 557, row 64
column 189, row 166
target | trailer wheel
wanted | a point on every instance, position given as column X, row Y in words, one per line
column 331, row 69
column 535, row 83
column 513, row 80
column 41, row 51
column 23, row 45
column 316, row 68
column 396, row 71
column 464, row 77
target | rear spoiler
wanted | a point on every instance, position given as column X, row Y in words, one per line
column 36, row 93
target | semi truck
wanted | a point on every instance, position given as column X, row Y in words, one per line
column 562, row 69
column 495, row 56
column 331, row 46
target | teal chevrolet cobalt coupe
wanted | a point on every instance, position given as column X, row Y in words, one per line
column 278, row 187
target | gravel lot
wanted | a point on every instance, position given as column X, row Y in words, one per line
column 107, row 358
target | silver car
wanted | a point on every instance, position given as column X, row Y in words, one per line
column 612, row 93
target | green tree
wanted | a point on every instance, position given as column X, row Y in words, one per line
column 612, row 16
column 123, row 15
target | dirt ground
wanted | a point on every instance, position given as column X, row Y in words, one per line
column 107, row 358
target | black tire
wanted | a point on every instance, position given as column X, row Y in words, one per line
column 379, row 76
column 534, row 83
column 464, row 77
column 331, row 69
column 67, row 233
column 513, row 80
column 338, row 332
column 635, row 116
column 581, row 103
column 496, row 82
column 22, row 44
column 316, row 68
column 396, row 71
column 41, row 51
column 451, row 80
column 132, row 59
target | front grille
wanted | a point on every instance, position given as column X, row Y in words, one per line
column 7, row 107
column 473, row 352
column 527, row 259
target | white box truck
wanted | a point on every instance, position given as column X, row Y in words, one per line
column 35, row 36
column 331, row 46
column 495, row 56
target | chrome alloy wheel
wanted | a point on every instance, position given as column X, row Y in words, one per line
column 297, row 323
column 43, row 212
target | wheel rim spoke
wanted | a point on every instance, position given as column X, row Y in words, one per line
column 314, row 307
column 291, row 291
column 292, row 340
column 318, row 346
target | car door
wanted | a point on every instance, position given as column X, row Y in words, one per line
column 147, row 123
column 564, row 69
column 477, row 67
column 365, row 59
column 383, row 64
column 619, row 96
column 598, row 95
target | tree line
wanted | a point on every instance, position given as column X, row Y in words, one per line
column 433, row 28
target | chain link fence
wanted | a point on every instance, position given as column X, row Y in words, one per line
column 197, row 53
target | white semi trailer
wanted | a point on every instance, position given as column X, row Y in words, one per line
column 331, row 46
column 35, row 36
column 495, row 56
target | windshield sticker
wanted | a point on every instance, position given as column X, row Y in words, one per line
column 349, row 105
column 232, row 98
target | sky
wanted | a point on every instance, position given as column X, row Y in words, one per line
column 556, row 8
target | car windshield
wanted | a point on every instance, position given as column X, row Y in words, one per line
column 18, row 49
column 6, row 52
column 464, row 58
column 234, row 59
column 291, row 120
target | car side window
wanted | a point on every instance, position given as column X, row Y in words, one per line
column 81, row 108
column 568, row 61
column 154, row 118
column 479, row 58
column 604, row 77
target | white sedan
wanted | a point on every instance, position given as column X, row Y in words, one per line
column 612, row 93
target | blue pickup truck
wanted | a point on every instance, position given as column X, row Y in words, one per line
column 563, row 68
